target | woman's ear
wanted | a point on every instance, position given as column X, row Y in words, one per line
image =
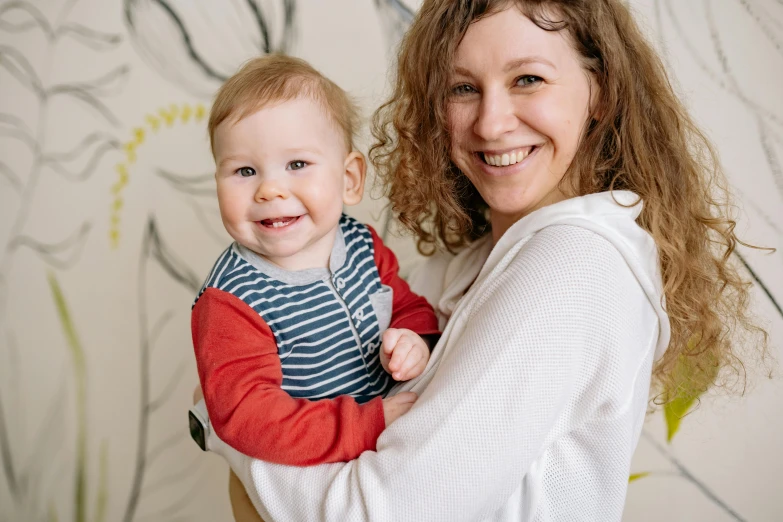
column 353, row 182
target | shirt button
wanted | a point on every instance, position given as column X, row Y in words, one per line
column 340, row 283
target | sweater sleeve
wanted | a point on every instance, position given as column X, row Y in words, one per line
column 409, row 310
column 517, row 357
column 240, row 374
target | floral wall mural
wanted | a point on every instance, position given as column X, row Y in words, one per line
column 108, row 224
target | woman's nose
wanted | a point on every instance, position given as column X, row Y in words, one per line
column 495, row 117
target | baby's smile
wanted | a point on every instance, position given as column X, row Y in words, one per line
column 278, row 222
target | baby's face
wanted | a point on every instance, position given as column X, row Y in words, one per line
column 281, row 181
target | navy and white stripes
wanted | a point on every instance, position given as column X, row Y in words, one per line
column 327, row 332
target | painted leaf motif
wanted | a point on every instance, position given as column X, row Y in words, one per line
column 95, row 40
column 18, row 17
column 197, row 45
column 79, row 163
column 694, row 372
column 19, row 67
column 636, row 476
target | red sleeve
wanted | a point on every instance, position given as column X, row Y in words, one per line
column 240, row 374
column 409, row 310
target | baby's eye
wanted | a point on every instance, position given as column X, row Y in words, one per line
column 463, row 89
column 246, row 172
column 528, row 80
column 297, row 164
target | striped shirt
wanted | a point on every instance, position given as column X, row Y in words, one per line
column 289, row 361
column 325, row 325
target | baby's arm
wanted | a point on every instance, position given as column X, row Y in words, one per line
column 241, row 376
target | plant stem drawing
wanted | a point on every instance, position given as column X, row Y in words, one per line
column 77, row 164
column 80, row 381
column 685, row 473
column 154, row 250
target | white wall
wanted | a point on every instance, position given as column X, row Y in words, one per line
column 61, row 154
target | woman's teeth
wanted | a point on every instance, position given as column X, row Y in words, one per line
column 502, row 160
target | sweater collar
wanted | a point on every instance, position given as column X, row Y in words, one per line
column 298, row 277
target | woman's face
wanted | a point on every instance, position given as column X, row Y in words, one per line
column 518, row 104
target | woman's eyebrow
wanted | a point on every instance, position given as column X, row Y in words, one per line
column 510, row 66
column 514, row 64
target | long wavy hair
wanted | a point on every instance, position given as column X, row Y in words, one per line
column 643, row 141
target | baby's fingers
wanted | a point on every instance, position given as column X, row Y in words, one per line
column 389, row 340
column 411, row 367
column 401, row 352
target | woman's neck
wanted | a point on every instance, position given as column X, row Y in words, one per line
column 503, row 221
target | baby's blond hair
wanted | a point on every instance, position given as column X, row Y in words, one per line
column 276, row 78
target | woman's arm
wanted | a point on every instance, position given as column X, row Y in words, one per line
column 512, row 369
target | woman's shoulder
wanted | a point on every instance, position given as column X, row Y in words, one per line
column 558, row 248
column 568, row 269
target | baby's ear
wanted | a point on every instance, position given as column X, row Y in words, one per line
column 355, row 172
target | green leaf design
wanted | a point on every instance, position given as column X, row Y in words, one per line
column 695, row 372
column 103, row 484
column 80, row 377
column 52, row 514
column 637, row 476
column 674, row 412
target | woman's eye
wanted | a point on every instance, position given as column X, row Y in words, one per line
column 463, row 89
column 246, row 172
column 296, row 165
column 528, row 79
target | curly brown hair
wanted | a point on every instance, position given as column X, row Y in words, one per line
column 641, row 139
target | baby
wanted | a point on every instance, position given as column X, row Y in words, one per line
column 304, row 324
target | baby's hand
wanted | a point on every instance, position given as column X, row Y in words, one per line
column 403, row 354
column 395, row 407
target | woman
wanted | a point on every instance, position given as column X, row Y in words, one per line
column 541, row 140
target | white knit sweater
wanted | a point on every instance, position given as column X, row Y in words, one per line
column 534, row 398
